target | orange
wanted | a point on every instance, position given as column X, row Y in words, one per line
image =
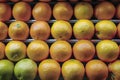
column 118, row 30
column 2, row 50
column 105, row 29
column 18, row 30
column 61, row 30
column 38, row 50
column 15, row 50
column 22, row 11
column 42, row 11
column 83, row 10
column 73, row 70
column 5, row 12
column 107, row 50
column 60, row 51
column 104, row 10
column 3, row 31
column 84, row 50
column 62, row 11
column 96, row 70
column 40, row 30
column 49, row 69
column 83, row 29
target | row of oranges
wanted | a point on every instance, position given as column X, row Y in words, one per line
column 61, row 30
column 61, row 11
column 38, row 50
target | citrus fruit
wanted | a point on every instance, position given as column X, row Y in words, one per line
column 40, row 30
column 73, row 70
column 105, row 29
column 22, row 11
column 83, row 50
column 15, row 50
column 62, row 11
column 118, row 11
column 42, row 11
column 18, row 30
column 83, row 10
column 25, row 69
column 118, row 30
column 114, row 69
column 83, row 29
column 96, row 70
column 107, row 50
column 60, row 51
column 49, row 70
column 2, row 50
column 3, row 31
column 104, row 10
column 5, row 12
column 6, row 69
column 38, row 50
column 61, row 30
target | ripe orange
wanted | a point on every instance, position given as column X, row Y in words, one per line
column 107, row 50
column 83, row 10
column 49, row 69
column 18, row 30
column 118, row 30
column 62, row 11
column 84, row 50
column 104, row 10
column 42, row 11
column 73, row 70
column 96, row 70
column 61, row 30
column 22, row 11
column 105, row 29
column 2, row 50
column 3, row 31
column 5, row 12
column 60, row 51
column 40, row 30
column 83, row 29
column 38, row 50
column 15, row 50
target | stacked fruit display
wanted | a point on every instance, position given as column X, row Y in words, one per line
column 62, row 40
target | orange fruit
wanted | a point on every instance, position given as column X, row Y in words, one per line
column 83, row 10
column 5, row 12
column 107, row 50
column 114, row 69
column 49, row 69
column 3, row 31
column 38, row 50
column 96, row 70
column 73, row 70
column 42, row 11
column 105, row 29
column 84, row 50
column 40, row 30
column 62, row 11
column 15, row 50
column 61, row 30
column 18, row 30
column 60, row 51
column 118, row 11
column 104, row 10
column 83, row 29
column 2, row 50
column 118, row 30
column 22, row 11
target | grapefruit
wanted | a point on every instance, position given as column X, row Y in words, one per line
column 60, row 51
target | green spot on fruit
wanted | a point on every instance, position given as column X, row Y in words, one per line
column 18, row 25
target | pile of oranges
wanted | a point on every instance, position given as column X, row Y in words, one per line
column 57, row 45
